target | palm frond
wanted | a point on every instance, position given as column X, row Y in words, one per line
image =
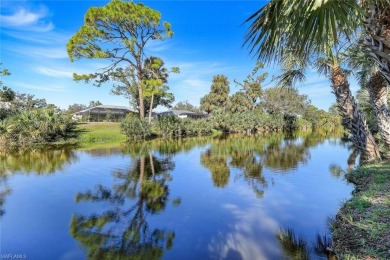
column 306, row 27
column 323, row 65
column 363, row 77
column 290, row 77
column 358, row 59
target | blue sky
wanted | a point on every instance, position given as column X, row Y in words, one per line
column 208, row 38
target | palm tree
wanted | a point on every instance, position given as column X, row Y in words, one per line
column 311, row 29
column 371, row 78
column 377, row 29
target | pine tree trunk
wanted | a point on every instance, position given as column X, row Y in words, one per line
column 377, row 87
column 150, row 109
column 378, row 35
column 140, row 89
column 141, row 102
column 352, row 117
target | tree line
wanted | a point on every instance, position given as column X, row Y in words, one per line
column 332, row 37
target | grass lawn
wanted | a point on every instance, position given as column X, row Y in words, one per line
column 99, row 133
column 362, row 226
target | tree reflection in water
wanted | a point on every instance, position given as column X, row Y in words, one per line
column 37, row 162
column 4, row 192
column 216, row 163
column 122, row 231
column 249, row 154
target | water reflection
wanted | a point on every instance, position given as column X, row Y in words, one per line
column 5, row 190
column 335, row 170
column 154, row 199
column 296, row 247
column 293, row 247
column 216, row 163
column 39, row 162
column 122, row 230
column 352, row 159
column 250, row 154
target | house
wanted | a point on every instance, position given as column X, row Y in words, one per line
column 184, row 114
column 103, row 113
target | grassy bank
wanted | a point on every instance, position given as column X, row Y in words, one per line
column 362, row 226
column 99, row 133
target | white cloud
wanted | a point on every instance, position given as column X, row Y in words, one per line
column 47, row 87
column 20, row 18
column 24, row 19
column 38, row 52
column 56, row 73
column 49, row 38
column 157, row 46
column 197, row 83
column 248, row 227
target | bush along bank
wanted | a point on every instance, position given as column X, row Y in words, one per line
column 362, row 226
column 37, row 126
column 221, row 121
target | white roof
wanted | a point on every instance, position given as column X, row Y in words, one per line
column 107, row 107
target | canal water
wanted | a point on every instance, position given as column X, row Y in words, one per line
column 229, row 197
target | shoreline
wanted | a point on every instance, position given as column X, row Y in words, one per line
column 361, row 229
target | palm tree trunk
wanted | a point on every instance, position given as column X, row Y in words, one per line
column 377, row 87
column 150, row 109
column 352, row 117
column 351, row 161
column 378, row 31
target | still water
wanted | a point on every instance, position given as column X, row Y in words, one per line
column 230, row 197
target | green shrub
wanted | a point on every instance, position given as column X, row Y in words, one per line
column 135, row 128
column 190, row 127
column 35, row 126
column 271, row 122
column 168, row 126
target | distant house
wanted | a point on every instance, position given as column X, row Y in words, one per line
column 183, row 114
column 103, row 113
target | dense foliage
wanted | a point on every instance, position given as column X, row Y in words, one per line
column 135, row 128
column 218, row 96
column 34, row 127
column 26, row 120
column 223, row 120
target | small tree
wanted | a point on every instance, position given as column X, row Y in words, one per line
column 185, row 105
column 284, row 100
column 218, row 96
column 206, row 103
column 118, row 32
column 251, row 86
column 76, row 108
column 239, row 102
column 156, row 75
column 94, row 103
